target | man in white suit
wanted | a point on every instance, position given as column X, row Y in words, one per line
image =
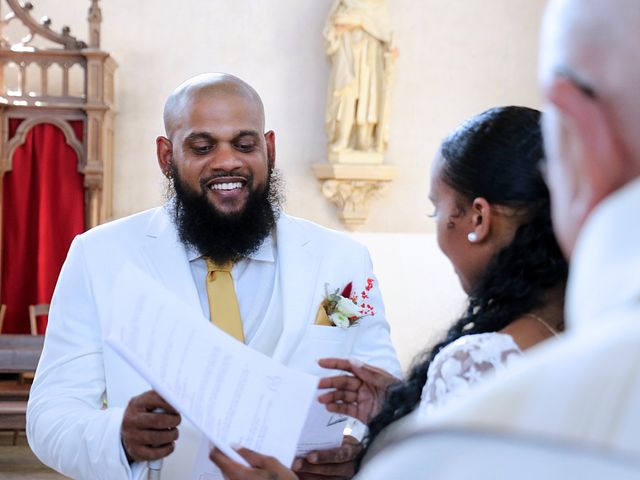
column 90, row 415
column 578, row 396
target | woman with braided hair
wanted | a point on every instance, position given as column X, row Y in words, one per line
column 493, row 222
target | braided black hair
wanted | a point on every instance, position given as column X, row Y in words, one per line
column 494, row 155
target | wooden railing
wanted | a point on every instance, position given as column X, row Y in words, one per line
column 29, row 78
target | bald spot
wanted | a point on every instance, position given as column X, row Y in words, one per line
column 599, row 40
column 178, row 105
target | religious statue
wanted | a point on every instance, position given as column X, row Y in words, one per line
column 359, row 41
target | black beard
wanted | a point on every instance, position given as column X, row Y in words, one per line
column 225, row 237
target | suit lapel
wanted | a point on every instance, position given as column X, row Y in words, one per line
column 298, row 266
column 167, row 258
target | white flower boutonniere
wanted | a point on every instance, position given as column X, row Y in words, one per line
column 345, row 309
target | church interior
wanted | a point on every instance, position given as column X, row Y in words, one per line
column 82, row 89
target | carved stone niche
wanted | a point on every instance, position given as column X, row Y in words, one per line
column 353, row 187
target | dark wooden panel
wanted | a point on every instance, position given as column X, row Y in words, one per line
column 13, row 415
column 20, row 353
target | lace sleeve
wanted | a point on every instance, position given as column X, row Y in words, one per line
column 467, row 361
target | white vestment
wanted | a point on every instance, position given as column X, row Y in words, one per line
column 580, row 390
column 82, row 387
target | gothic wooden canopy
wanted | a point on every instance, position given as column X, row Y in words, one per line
column 52, row 77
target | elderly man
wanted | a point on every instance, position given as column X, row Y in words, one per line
column 573, row 409
column 221, row 242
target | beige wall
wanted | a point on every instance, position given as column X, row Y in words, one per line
column 458, row 57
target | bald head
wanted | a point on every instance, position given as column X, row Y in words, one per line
column 599, row 43
column 182, row 98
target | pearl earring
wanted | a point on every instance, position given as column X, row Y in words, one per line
column 472, row 237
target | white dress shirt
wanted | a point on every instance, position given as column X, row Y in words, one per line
column 256, row 285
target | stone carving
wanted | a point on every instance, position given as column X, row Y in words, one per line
column 352, row 188
column 351, row 198
column 359, row 42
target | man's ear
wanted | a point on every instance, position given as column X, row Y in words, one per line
column 164, row 152
column 592, row 149
column 270, row 138
column 480, row 219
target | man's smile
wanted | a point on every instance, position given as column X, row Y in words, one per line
column 226, row 186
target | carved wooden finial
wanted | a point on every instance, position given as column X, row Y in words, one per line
column 95, row 19
column 43, row 28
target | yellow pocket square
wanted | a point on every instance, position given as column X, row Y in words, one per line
column 322, row 318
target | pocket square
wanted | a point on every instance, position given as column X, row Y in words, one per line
column 322, row 318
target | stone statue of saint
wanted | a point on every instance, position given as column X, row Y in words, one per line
column 359, row 41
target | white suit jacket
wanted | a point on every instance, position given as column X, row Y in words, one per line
column 82, row 387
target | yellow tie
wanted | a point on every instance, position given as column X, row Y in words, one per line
column 223, row 302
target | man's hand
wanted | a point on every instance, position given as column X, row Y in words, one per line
column 145, row 434
column 262, row 467
column 335, row 463
column 359, row 395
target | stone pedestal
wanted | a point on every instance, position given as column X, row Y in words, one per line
column 352, row 187
column 356, row 157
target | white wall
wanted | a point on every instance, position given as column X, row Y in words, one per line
column 457, row 58
column 421, row 292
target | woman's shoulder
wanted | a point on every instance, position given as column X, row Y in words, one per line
column 475, row 352
column 466, row 361
column 486, row 343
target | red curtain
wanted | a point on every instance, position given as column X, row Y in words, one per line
column 43, row 209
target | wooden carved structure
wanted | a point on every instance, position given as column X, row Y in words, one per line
column 52, row 77
column 93, row 105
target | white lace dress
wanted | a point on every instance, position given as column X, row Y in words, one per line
column 463, row 363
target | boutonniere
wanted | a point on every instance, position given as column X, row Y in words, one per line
column 344, row 308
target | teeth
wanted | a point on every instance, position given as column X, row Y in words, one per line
column 226, row 186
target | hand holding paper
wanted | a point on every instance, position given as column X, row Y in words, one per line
column 261, row 467
column 338, row 462
column 232, row 393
